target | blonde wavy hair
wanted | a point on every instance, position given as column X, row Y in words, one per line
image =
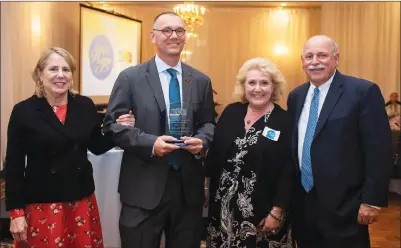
column 41, row 64
column 265, row 66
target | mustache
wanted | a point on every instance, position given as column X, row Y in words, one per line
column 312, row 67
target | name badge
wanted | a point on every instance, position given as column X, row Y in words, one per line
column 271, row 134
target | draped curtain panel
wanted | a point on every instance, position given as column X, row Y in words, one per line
column 368, row 36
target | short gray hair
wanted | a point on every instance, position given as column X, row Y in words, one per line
column 333, row 42
column 335, row 47
column 162, row 14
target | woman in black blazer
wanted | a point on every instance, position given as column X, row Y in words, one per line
column 51, row 200
column 250, row 166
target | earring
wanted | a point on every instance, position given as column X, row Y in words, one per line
column 40, row 82
column 72, row 84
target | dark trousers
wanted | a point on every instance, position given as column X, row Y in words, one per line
column 310, row 236
column 182, row 224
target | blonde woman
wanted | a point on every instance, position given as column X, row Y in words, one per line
column 51, row 200
column 249, row 164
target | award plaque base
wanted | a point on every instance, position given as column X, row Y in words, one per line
column 177, row 143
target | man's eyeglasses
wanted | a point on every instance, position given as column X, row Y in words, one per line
column 168, row 31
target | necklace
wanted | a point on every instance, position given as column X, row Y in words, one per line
column 55, row 108
column 248, row 122
column 265, row 115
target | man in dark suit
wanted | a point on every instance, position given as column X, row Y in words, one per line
column 342, row 146
column 161, row 185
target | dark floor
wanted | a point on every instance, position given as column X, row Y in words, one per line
column 383, row 234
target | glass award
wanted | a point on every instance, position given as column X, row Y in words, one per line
column 180, row 119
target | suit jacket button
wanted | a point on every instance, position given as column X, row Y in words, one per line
column 54, row 153
column 78, row 168
column 53, row 170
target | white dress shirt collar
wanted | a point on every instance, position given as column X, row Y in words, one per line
column 325, row 86
column 162, row 66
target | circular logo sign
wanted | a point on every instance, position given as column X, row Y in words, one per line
column 101, row 57
column 271, row 134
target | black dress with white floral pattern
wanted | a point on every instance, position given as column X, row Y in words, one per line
column 232, row 220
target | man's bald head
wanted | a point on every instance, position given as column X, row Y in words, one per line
column 320, row 59
column 322, row 38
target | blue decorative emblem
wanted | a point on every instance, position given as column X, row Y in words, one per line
column 101, row 57
column 270, row 134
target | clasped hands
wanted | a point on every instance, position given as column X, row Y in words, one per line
column 126, row 119
column 161, row 147
column 367, row 214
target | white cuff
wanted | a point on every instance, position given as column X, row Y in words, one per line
column 374, row 206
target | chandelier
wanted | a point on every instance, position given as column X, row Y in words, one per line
column 192, row 14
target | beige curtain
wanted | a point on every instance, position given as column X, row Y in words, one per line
column 229, row 37
column 368, row 36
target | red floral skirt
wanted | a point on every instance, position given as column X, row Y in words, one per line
column 63, row 225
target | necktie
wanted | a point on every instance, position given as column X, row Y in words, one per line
column 174, row 88
column 306, row 169
column 175, row 102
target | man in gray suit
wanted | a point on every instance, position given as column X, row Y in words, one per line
column 161, row 184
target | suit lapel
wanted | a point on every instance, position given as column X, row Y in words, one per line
column 299, row 104
column 72, row 119
column 152, row 76
column 303, row 91
column 331, row 100
column 187, row 79
column 46, row 113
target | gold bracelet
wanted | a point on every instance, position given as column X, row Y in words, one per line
column 275, row 217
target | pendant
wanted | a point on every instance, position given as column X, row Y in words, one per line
column 248, row 122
